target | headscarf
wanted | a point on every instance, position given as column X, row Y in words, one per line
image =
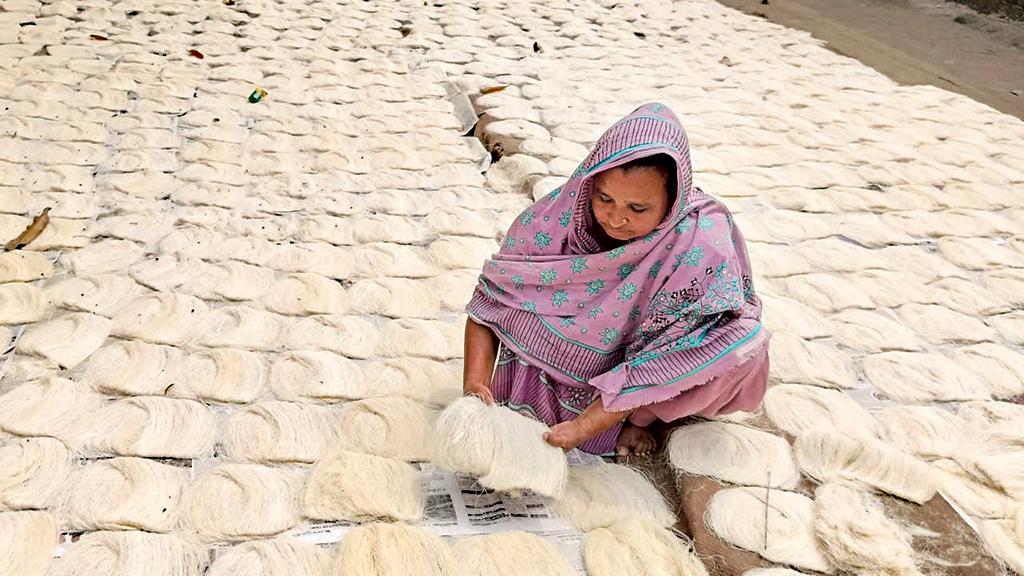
column 642, row 322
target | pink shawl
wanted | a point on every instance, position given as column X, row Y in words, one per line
column 644, row 322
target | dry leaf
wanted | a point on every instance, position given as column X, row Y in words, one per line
column 98, row 37
column 32, row 231
column 196, row 54
column 493, row 89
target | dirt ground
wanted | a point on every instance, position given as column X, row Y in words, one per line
column 935, row 42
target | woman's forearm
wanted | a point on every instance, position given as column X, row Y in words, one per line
column 595, row 419
column 481, row 350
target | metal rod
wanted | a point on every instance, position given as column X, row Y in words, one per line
column 767, row 494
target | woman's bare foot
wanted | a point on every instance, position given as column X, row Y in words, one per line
column 635, row 440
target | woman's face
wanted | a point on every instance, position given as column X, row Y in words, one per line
column 629, row 204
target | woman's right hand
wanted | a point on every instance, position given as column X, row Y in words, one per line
column 480, row 390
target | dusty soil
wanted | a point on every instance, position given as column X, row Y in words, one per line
column 1010, row 8
column 935, row 42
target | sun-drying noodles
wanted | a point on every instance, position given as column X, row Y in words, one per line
column 154, row 427
column 602, row 495
column 242, row 501
column 221, row 375
column 503, row 448
column 272, row 558
column 361, row 487
column 161, row 318
column 32, row 472
column 54, row 407
column 66, row 340
column 857, row 535
column 125, row 494
column 130, row 553
column 639, row 547
column 510, row 553
column 794, row 408
column 392, row 550
column 831, row 457
column 317, row 375
column 737, row 515
column 1005, row 539
column 733, row 453
column 305, row 293
column 133, row 368
column 242, row 327
column 390, row 427
column 924, row 431
column 279, row 432
column 27, row 540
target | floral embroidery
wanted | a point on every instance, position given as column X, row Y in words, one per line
column 655, row 268
column 634, row 312
column 530, row 306
column 566, row 218
column 705, row 223
column 608, row 335
column 594, row 312
column 579, row 264
column 613, row 254
column 683, row 226
column 548, row 276
column 650, row 237
column 626, row 291
column 567, row 321
column 527, row 217
column 594, row 287
column 555, row 194
column 577, row 397
column 559, row 297
column 690, row 258
column 518, row 282
column 542, row 239
column 510, row 242
column 626, row 270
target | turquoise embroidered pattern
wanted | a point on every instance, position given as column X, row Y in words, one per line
column 608, row 335
column 626, row 291
column 559, row 297
column 626, row 270
column 691, row 258
column 655, row 269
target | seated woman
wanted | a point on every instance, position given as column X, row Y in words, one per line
column 624, row 295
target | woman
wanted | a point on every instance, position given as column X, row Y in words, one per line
column 625, row 294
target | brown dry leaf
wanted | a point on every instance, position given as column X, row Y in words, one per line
column 493, row 89
column 196, row 54
column 32, row 231
column 98, row 37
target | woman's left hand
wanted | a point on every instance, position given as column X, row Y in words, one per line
column 565, row 435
